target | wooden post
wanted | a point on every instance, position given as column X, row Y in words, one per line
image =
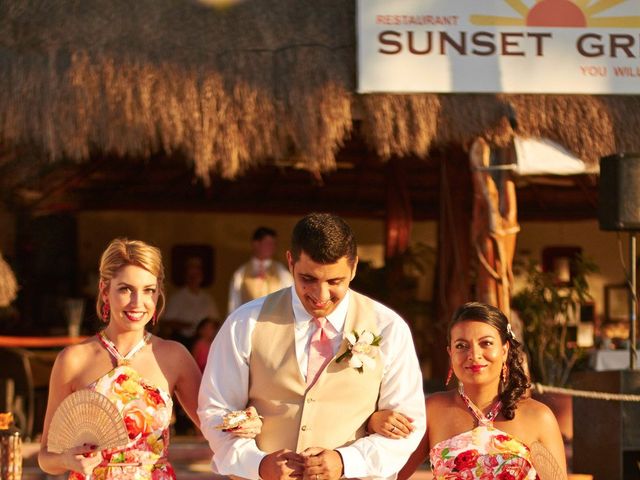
column 452, row 287
column 399, row 215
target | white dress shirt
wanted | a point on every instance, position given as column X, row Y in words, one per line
column 235, row 286
column 225, row 386
column 191, row 307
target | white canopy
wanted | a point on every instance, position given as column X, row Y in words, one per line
column 545, row 157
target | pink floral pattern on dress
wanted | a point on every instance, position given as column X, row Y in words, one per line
column 484, row 453
column 147, row 414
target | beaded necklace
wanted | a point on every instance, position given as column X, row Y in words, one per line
column 111, row 348
column 482, row 419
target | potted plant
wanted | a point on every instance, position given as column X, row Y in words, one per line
column 547, row 309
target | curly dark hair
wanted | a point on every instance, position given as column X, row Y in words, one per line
column 324, row 237
column 517, row 382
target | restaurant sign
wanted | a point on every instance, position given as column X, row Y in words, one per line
column 513, row 46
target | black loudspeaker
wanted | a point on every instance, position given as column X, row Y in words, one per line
column 619, row 192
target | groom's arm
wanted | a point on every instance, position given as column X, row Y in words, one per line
column 401, row 390
column 224, row 387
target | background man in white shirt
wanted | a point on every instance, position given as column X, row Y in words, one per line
column 261, row 275
column 314, row 426
column 189, row 304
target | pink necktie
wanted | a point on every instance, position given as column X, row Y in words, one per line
column 320, row 350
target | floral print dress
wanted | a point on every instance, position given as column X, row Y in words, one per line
column 146, row 410
column 484, row 453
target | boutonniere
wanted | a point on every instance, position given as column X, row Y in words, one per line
column 362, row 350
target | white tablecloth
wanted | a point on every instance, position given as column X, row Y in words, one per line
column 609, row 360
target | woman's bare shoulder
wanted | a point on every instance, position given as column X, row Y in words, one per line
column 79, row 352
column 75, row 359
column 168, row 349
column 175, row 361
column 535, row 412
column 440, row 400
column 533, row 406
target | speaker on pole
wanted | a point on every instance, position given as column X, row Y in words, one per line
column 619, row 192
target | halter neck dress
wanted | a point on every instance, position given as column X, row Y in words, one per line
column 146, row 410
column 484, row 453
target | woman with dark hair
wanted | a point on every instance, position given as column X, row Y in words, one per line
column 205, row 333
column 488, row 426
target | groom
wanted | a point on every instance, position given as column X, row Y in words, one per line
column 279, row 354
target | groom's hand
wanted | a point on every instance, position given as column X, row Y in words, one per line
column 321, row 464
column 281, row 465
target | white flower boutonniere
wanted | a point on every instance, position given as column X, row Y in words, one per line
column 362, row 350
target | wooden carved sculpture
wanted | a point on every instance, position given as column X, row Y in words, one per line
column 494, row 228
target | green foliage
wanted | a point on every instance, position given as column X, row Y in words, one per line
column 545, row 309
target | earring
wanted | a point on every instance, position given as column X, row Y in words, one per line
column 449, row 375
column 505, row 373
column 154, row 319
column 105, row 312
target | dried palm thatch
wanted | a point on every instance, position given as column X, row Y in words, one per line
column 229, row 88
column 8, row 284
column 583, row 123
column 244, row 85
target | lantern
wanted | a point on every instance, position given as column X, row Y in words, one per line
column 10, row 449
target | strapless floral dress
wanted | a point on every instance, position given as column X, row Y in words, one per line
column 146, row 410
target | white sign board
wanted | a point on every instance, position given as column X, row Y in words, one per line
column 512, row 46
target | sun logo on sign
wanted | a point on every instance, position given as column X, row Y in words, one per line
column 560, row 13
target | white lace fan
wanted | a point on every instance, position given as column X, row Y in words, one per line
column 86, row 417
column 545, row 464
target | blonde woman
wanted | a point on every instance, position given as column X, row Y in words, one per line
column 137, row 371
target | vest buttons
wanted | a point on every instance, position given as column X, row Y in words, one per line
column 310, row 400
column 304, row 428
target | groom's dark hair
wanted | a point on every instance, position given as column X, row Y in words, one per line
column 325, row 238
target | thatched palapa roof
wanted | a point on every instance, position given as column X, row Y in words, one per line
column 259, row 81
